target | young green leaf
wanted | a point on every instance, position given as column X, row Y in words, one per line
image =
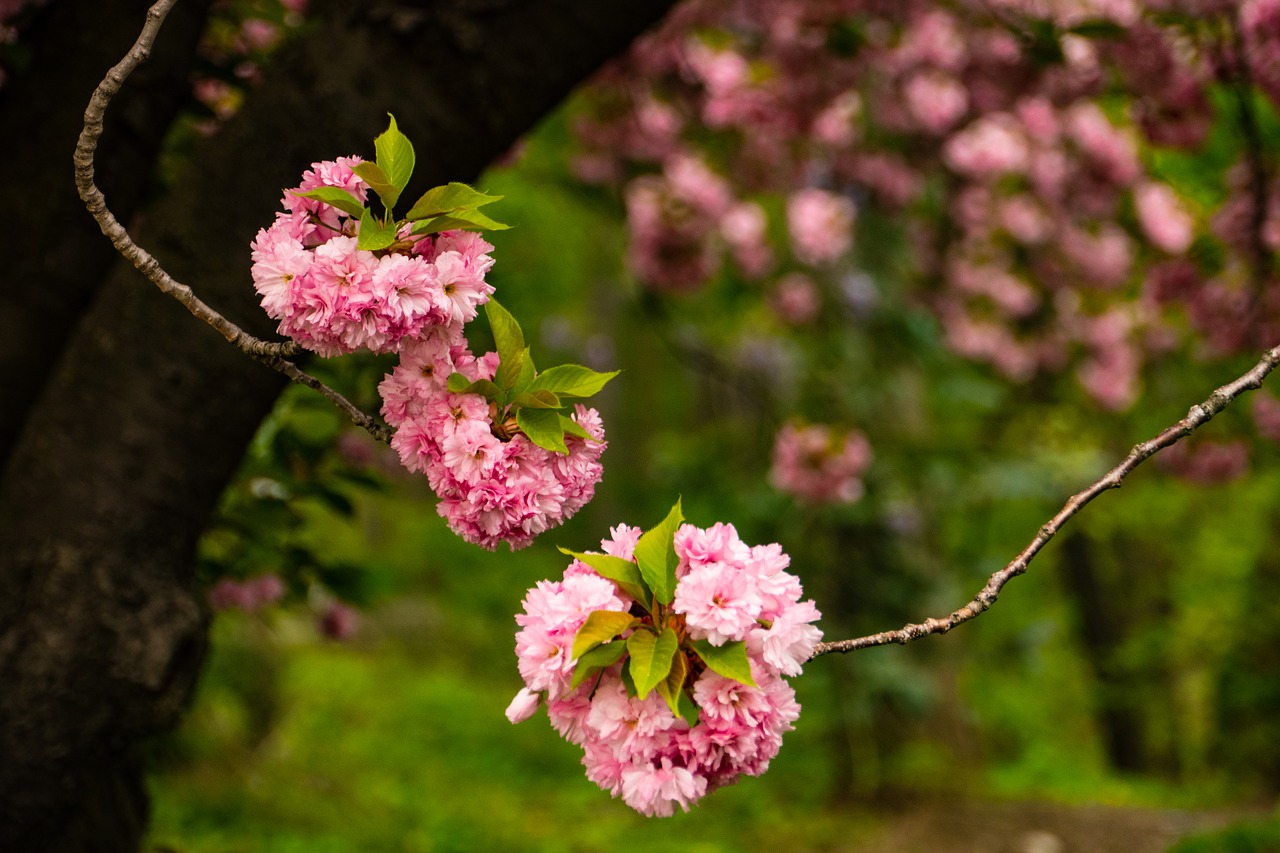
column 571, row 380
column 372, row 174
column 459, row 384
column 651, row 658
column 509, row 341
column 729, row 660
column 453, row 197
column 622, row 572
column 688, row 709
column 671, row 687
column 542, row 426
column 335, row 196
column 596, row 660
column 527, row 374
column 537, row 400
column 571, row 427
column 395, row 157
column 467, row 220
column 374, row 234
column 601, row 627
column 627, row 681
column 656, row 555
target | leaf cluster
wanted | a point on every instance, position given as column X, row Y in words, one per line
column 525, row 399
column 657, row 654
column 454, row 206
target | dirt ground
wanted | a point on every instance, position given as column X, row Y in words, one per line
column 986, row 827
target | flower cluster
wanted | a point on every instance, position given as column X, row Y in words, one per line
column 494, row 483
column 1039, row 218
column 487, row 432
column 664, row 659
column 333, row 297
column 819, row 465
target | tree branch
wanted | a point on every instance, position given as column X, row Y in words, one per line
column 273, row 354
column 1197, row 416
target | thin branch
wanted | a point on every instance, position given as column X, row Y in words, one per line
column 273, row 354
column 1198, row 416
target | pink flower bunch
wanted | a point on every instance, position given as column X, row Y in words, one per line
column 333, row 298
column 247, row 595
column 818, row 464
column 494, row 484
column 488, row 432
column 738, row 626
column 820, row 224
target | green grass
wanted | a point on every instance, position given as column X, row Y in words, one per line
column 372, row 747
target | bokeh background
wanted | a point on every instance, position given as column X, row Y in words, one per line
column 982, row 249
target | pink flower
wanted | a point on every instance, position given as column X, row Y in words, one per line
column 795, row 299
column 816, row 464
column 719, row 603
column 791, row 638
column 523, row 706
column 936, row 99
column 656, row 790
column 339, row 622
column 991, row 146
column 1163, row 217
column 820, row 224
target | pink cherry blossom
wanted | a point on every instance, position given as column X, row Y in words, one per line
column 819, row 465
column 634, row 747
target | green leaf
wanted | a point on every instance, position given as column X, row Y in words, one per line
column 459, row 384
column 601, row 627
column 622, row 572
column 651, row 658
column 628, row 682
column 527, row 374
column 672, row 687
column 372, row 174
column 571, row 427
column 395, row 157
column 374, row 235
column 537, row 400
column 571, row 380
column 656, row 555
column 467, row 220
column 729, row 660
column 596, row 660
column 335, row 196
column 509, row 341
column 688, row 708
column 542, row 426
column 453, row 197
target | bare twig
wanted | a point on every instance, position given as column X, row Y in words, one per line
column 272, row 353
column 1198, row 416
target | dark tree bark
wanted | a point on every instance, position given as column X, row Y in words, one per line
column 1102, row 632
column 144, row 417
column 56, row 257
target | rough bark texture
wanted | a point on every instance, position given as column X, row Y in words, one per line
column 145, row 416
column 57, row 258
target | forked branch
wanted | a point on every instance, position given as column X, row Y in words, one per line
column 272, row 353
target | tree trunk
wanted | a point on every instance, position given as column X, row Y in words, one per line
column 144, row 417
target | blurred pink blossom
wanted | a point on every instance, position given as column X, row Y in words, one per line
column 819, row 464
